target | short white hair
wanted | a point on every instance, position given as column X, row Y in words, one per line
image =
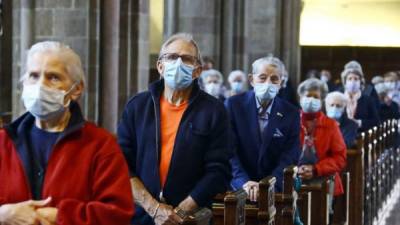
column 184, row 37
column 212, row 72
column 336, row 95
column 236, row 73
column 269, row 60
column 312, row 84
column 71, row 60
column 377, row 79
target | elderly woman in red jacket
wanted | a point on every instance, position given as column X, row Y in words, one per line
column 55, row 167
column 324, row 151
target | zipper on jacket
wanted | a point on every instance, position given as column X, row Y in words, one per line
column 157, row 148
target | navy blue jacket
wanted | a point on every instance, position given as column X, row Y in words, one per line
column 257, row 157
column 366, row 112
column 387, row 112
column 200, row 160
column 348, row 128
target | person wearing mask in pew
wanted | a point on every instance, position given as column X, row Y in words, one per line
column 175, row 139
column 335, row 105
column 265, row 129
column 323, row 147
column 360, row 108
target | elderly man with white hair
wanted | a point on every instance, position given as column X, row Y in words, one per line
column 212, row 82
column 55, row 167
column 174, row 137
column 265, row 129
column 335, row 106
column 238, row 82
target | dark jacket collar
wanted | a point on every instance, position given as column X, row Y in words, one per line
column 156, row 89
column 24, row 122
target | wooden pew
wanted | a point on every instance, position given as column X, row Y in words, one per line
column 374, row 167
column 319, row 200
column 232, row 209
column 341, row 206
column 285, row 202
column 355, row 168
column 264, row 211
column 228, row 209
column 304, row 206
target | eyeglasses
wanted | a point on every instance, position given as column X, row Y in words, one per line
column 187, row 59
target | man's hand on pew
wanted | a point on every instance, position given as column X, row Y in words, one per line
column 306, row 172
column 251, row 188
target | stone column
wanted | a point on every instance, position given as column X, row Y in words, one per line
column 6, row 56
column 200, row 18
column 232, row 44
column 123, row 56
column 25, row 25
column 290, row 44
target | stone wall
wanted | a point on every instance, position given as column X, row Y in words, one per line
column 113, row 49
column 112, row 38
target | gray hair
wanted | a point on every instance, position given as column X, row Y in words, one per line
column 269, row 60
column 236, row 73
column 336, row 95
column 312, row 84
column 212, row 72
column 377, row 79
column 353, row 65
column 70, row 59
column 184, row 37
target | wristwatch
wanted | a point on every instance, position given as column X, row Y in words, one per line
column 181, row 213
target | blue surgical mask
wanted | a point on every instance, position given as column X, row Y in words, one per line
column 334, row 112
column 353, row 86
column 310, row 104
column 390, row 85
column 177, row 75
column 237, row 86
column 266, row 91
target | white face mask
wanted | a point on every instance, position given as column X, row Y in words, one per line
column 44, row 103
column 265, row 91
column 213, row 89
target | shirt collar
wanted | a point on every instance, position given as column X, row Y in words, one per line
column 262, row 111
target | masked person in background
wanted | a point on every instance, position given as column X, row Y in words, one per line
column 265, row 129
column 326, row 77
column 174, row 137
column 238, row 83
column 379, row 84
column 323, row 148
column 360, row 108
column 212, row 83
column 51, row 152
column 391, row 80
column 335, row 106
